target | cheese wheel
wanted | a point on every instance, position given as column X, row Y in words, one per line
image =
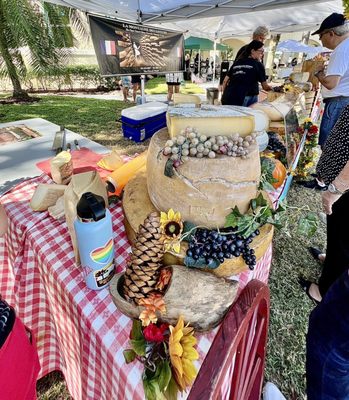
column 261, row 119
column 209, row 120
column 275, row 110
column 203, row 190
column 179, row 98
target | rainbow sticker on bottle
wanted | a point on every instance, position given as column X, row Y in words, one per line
column 102, row 255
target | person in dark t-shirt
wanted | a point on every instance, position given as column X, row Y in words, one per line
column 242, row 88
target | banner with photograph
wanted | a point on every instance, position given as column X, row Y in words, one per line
column 125, row 48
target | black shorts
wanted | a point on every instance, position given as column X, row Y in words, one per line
column 173, row 83
column 135, row 79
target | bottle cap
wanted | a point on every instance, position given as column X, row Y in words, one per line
column 91, row 206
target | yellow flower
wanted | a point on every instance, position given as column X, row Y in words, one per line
column 288, row 88
column 172, row 228
column 307, row 120
column 169, row 217
column 182, row 354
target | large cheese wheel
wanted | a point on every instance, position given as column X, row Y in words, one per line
column 209, row 120
column 261, row 119
column 275, row 110
column 204, row 190
column 137, row 206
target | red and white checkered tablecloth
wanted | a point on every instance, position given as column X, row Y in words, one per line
column 79, row 331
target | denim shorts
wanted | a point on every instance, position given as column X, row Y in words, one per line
column 332, row 111
column 248, row 100
column 327, row 363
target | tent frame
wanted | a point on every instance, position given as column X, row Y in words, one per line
column 205, row 7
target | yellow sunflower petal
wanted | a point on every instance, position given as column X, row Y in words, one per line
column 176, row 247
column 190, row 354
column 163, row 218
column 189, row 370
column 170, row 214
column 177, row 217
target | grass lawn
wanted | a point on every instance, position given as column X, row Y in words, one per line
column 158, row 86
column 95, row 119
column 290, row 307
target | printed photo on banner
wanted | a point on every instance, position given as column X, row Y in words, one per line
column 124, row 48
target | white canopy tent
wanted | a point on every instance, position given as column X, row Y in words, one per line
column 292, row 46
column 215, row 19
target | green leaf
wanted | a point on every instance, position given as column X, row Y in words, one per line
column 231, row 220
column 136, row 332
column 129, row 355
column 188, row 227
column 172, row 390
column 308, row 225
column 138, row 346
column 165, row 376
column 151, row 389
column 261, row 201
column 169, row 169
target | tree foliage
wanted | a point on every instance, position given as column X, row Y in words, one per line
column 33, row 36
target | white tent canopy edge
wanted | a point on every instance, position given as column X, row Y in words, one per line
column 215, row 19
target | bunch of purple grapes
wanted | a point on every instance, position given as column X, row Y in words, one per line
column 213, row 246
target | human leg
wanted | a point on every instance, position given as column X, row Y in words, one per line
column 169, row 91
column 337, row 252
column 327, row 356
column 332, row 111
column 135, row 87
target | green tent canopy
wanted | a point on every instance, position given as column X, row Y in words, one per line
column 196, row 43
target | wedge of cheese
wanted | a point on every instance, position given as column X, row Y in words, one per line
column 209, row 120
column 46, row 195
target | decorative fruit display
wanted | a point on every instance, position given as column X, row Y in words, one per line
column 277, row 170
column 190, row 143
column 275, row 144
column 212, row 247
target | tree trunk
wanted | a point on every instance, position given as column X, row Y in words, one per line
column 18, row 92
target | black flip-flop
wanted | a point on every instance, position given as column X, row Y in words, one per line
column 305, row 285
column 315, row 252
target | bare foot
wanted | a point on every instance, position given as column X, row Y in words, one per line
column 314, row 292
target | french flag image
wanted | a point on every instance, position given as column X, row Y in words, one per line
column 108, row 47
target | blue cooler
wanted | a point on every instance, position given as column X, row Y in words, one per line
column 141, row 122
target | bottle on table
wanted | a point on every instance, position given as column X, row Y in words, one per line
column 94, row 233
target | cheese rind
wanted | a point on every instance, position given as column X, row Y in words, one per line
column 203, row 190
column 209, row 121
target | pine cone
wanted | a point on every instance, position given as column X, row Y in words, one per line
column 143, row 269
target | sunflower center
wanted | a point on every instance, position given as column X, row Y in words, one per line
column 172, row 229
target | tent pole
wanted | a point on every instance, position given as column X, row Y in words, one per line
column 139, row 12
column 214, row 60
column 199, row 63
column 142, row 88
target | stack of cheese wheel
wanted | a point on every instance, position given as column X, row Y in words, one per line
column 203, row 190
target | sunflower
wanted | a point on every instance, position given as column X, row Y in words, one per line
column 172, row 227
column 182, row 354
column 288, row 88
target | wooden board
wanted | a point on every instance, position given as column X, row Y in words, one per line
column 202, row 305
column 137, row 206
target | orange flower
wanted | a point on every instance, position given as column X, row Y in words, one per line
column 154, row 302
column 148, row 316
column 164, row 279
